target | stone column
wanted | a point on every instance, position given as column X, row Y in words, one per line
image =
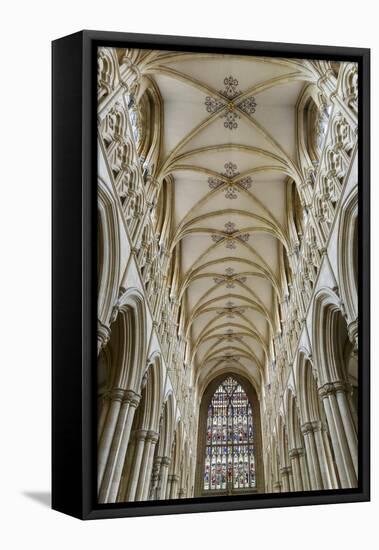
column 291, row 480
column 322, row 455
column 154, row 488
column 331, row 462
column 307, row 430
column 142, row 471
column 127, row 470
column 140, row 438
column 163, row 475
column 294, row 455
column 174, row 486
column 309, row 462
column 168, row 487
column 103, row 414
column 112, row 476
column 348, row 423
column 342, row 432
column 103, row 335
column 277, row 487
column 304, row 470
column 285, row 473
column 151, row 441
column 115, row 399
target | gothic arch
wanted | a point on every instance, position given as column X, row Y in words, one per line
column 139, row 459
column 311, row 115
column 316, row 430
column 348, row 256
column 108, row 273
column 132, row 342
column 150, row 111
column 329, row 336
column 119, row 362
column 153, row 378
column 307, row 390
column 335, row 354
column 204, row 402
column 127, row 349
column 220, row 371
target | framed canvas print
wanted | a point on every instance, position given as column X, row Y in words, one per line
column 210, row 274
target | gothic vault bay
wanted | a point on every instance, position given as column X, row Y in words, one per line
column 227, row 275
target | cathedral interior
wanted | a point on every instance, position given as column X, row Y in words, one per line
column 227, row 275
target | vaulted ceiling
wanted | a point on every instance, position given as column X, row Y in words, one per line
column 229, row 143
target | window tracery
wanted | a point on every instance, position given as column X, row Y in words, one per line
column 229, row 452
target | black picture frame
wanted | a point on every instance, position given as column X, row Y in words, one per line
column 74, row 274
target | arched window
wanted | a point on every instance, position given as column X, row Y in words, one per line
column 229, row 449
column 316, row 121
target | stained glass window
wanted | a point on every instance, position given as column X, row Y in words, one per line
column 229, row 448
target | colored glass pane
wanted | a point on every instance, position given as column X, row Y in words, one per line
column 229, row 453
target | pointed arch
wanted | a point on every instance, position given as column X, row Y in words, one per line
column 131, row 344
column 330, row 336
column 108, row 270
column 348, row 255
column 223, row 387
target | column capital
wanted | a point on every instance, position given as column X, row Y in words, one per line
column 166, row 461
column 103, row 335
column 311, row 427
column 296, row 452
column 331, row 388
column 132, row 398
column 352, row 330
column 152, row 436
column 326, row 389
column 173, row 478
column 286, row 470
column 116, row 394
column 140, row 435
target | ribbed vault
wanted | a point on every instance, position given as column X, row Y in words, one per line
column 227, row 196
column 227, row 151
